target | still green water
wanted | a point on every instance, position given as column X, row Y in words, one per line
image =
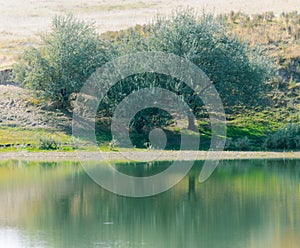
column 253, row 203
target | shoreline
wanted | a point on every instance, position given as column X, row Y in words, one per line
column 143, row 156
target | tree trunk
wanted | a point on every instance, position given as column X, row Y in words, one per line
column 191, row 125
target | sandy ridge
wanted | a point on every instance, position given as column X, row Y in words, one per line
column 144, row 155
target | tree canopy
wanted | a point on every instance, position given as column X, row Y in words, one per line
column 68, row 55
column 72, row 51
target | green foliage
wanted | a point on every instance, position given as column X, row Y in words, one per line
column 240, row 144
column 48, row 143
column 72, row 51
column 238, row 71
column 285, row 138
column 113, row 145
column 69, row 54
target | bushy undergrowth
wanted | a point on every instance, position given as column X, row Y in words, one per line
column 285, row 138
column 239, row 144
column 48, row 143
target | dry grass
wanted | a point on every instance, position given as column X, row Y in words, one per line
column 10, row 49
column 281, row 35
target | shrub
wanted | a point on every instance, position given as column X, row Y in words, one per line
column 48, row 143
column 243, row 143
column 240, row 144
column 113, row 144
column 68, row 55
column 285, row 138
column 238, row 71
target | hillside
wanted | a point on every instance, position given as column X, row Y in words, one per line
column 279, row 37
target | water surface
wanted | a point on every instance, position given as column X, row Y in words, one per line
column 254, row 203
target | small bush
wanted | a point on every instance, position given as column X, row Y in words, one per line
column 113, row 144
column 285, row 138
column 243, row 143
column 240, row 144
column 48, row 143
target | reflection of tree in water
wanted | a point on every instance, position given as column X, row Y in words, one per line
column 192, row 190
column 220, row 213
column 236, row 202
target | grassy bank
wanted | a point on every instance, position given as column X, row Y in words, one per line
column 246, row 132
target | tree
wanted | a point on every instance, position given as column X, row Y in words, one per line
column 238, row 71
column 72, row 51
column 68, row 55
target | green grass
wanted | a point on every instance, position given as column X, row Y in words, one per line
column 254, row 125
column 12, row 135
column 28, row 139
column 258, row 125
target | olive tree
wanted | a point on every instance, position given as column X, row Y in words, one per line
column 67, row 56
column 238, row 71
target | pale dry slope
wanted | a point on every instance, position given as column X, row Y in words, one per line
column 21, row 20
column 19, row 109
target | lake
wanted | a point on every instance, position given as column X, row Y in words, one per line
column 247, row 203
